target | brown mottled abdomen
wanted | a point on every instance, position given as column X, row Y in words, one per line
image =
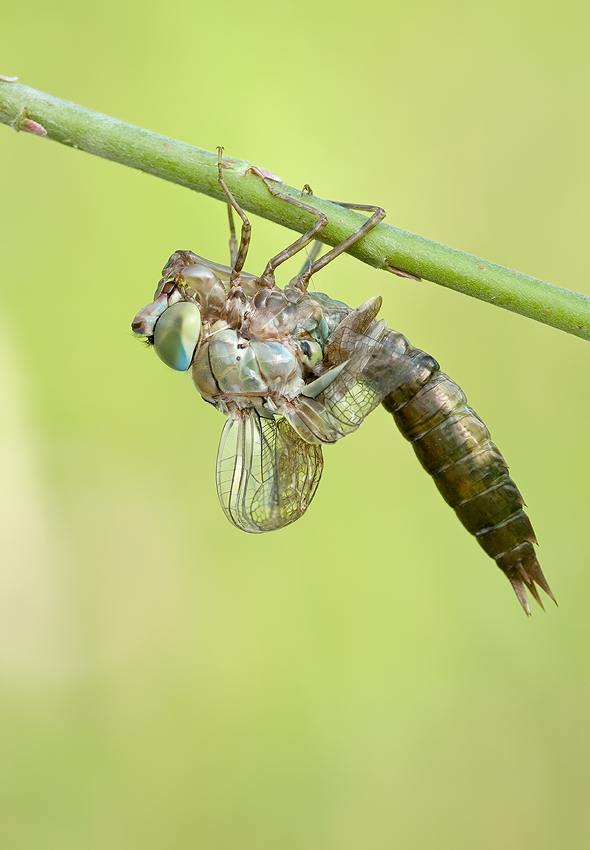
column 454, row 447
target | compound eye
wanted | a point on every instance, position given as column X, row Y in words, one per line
column 177, row 335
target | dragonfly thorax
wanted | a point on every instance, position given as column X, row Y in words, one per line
column 236, row 372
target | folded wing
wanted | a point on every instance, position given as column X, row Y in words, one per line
column 267, row 474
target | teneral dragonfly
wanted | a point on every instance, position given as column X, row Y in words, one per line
column 292, row 370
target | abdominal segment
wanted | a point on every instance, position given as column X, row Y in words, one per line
column 454, row 446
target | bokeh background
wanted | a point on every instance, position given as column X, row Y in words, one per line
column 364, row 678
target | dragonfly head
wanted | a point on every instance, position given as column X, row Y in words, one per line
column 187, row 293
column 172, row 325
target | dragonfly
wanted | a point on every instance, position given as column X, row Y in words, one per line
column 292, row 370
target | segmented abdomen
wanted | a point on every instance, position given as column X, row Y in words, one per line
column 454, row 447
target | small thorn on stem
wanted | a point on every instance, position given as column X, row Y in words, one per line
column 25, row 124
column 30, row 126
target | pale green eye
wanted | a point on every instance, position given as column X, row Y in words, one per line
column 177, row 335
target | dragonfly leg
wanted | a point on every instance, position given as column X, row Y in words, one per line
column 317, row 247
column 310, row 269
column 378, row 215
column 233, row 242
column 400, row 273
column 238, row 255
column 267, row 278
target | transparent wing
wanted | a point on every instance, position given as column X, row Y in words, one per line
column 375, row 365
column 266, row 474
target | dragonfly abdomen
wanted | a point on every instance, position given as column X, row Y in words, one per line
column 455, row 448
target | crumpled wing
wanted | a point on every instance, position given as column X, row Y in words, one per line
column 266, row 474
column 373, row 364
column 373, row 368
column 351, row 398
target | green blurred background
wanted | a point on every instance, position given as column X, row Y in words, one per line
column 364, row 678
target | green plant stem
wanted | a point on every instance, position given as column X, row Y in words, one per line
column 28, row 110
